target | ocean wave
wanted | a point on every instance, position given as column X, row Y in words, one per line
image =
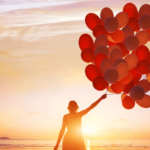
column 93, row 143
column 44, row 146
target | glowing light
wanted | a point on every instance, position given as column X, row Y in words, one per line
column 88, row 142
column 88, row 130
column 88, row 145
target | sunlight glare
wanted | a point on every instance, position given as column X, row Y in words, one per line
column 88, row 145
column 88, row 130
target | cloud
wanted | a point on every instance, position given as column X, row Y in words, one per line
column 53, row 13
column 33, row 113
column 40, row 31
column 23, row 52
column 31, row 68
column 12, row 5
column 119, row 120
column 123, row 119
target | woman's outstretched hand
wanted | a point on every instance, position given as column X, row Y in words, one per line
column 56, row 147
column 104, row 96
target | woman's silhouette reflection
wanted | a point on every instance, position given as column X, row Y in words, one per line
column 73, row 139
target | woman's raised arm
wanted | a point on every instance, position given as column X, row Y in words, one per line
column 83, row 112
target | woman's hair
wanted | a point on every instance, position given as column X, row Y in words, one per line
column 73, row 106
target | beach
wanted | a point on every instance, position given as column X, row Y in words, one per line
column 90, row 144
column 88, row 148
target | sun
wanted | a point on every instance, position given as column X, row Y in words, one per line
column 88, row 130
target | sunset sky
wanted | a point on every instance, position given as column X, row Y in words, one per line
column 41, row 71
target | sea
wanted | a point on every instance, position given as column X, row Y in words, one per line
column 90, row 144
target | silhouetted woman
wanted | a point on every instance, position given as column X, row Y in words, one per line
column 73, row 139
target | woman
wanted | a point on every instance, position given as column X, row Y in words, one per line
column 73, row 139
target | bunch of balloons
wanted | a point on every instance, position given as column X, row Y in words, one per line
column 118, row 57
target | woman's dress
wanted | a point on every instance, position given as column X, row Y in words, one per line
column 73, row 139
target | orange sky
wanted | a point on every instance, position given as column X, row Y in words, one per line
column 41, row 71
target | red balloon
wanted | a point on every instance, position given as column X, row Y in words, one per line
column 119, row 61
column 106, row 13
column 122, row 18
column 123, row 96
column 127, row 31
column 124, row 50
column 105, row 65
column 134, row 52
column 148, row 30
column 113, row 47
column 145, row 84
column 134, row 24
column 111, row 24
column 99, row 30
column 87, row 55
column 101, row 40
column 131, row 10
column 143, row 67
column 99, row 58
column 143, row 53
column 92, row 72
column 144, row 22
column 128, row 87
column 115, row 54
column 111, row 75
column 111, row 43
column 148, row 77
column 128, row 102
column 122, row 69
column 92, row 20
column 135, row 75
column 118, row 36
column 143, row 37
column 110, row 38
column 137, row 93
column 101, row 49
column 86, row 41
column 109, row 90
column 144, row 9
column 132, row 42
column 145, row 102
column 127, row 79
column 131, row 60
column 99, row 83
column 117, row 87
